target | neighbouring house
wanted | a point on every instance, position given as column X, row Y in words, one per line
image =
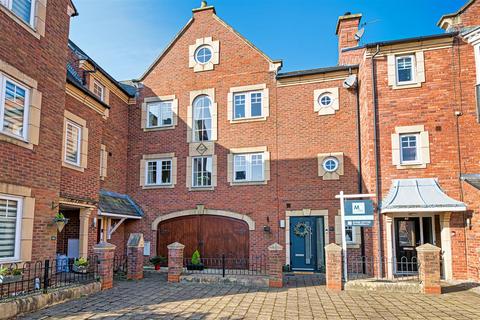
column 216, row 148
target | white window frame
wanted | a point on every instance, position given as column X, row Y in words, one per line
column 248, row 165
column 476, row 49
column 26, row 110
column 413, row 70
column 205, row 46
column 9, row 4
column 159, row 163
column 151, row 104
column 203, row 170
column 79, row 143
column 248, row 104
column 18, row 228
column 194, row 119
column 334, row 159
column 354, row 236
column 101, row 86
column 417, row 137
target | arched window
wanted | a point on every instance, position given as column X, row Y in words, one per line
column 202, row 118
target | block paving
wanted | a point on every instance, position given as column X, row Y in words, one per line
column 303, row 297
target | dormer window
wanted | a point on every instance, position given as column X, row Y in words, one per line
column 99, row 90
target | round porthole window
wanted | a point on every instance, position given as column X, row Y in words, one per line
column 330, row 164
column 203, row 54
column 325, row 100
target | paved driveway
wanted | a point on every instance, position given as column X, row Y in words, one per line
column 153, row 298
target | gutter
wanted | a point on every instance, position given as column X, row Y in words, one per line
column 377, row 160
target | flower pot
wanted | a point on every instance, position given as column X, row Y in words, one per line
column 79, row 269
column 9, row 279
column 199, row 266
column 157, row 267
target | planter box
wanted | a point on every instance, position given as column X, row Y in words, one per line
column 79, row 269
column 9, row 279
column 195, row 266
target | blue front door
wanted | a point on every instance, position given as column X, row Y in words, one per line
column 303, row 243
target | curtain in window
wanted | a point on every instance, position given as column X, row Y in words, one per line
column 8, row 225
column 23, row 9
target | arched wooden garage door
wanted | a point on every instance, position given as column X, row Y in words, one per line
column 212, row 235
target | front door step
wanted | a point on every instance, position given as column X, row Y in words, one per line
column 383, row 286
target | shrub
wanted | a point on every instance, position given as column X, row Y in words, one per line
column 196, row 258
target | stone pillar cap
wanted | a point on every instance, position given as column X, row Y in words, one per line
column 275, row 247
column 103, row 245
column 333, row 247
column 427, row 247
column 135, row 240
column 175, row 245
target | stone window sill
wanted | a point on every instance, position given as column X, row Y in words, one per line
column 167, row 186
column 159, row 128
column 15, row 141
column 243, row 120
column 248, row 183
column 73, row 167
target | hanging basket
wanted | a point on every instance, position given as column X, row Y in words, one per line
column 60, row 223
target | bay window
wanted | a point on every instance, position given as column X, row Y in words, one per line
column 14, row 101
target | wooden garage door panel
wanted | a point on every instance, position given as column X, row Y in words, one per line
column 211, row 235
column 222, row 235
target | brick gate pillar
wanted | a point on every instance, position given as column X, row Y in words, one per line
column 429, row 264
column 175, row 261
column 275, row 262
column 333, row 253
column 105, row 252
column 135, row 246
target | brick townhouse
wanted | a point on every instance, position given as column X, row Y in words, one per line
column 215, row 147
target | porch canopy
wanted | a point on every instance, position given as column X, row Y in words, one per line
column 419, row 195
column 117, row 205
column 472, row 179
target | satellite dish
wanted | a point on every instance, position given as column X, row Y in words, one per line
column 359, row 34
column 350, row 81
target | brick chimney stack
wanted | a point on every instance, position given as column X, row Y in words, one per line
column 347, row 26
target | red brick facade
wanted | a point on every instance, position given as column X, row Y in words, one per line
column 295, row 134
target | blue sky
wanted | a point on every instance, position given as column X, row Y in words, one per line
column 125, row 36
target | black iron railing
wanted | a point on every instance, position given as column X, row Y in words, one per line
column 395, row 269
column 19, row 279
column 120, row 264
column 228, row 266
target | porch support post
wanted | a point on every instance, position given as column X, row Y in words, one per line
column 390, row 257
column 275, row 274
column 446, row 241
column 135, row 246
column 334, row 266
column 105, row 252
column 83, row 235
column 429, row 263
column 175, row 261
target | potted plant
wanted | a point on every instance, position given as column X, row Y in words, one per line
column 196, row 262
column 60, row 221
column 80, row 265
column 10, row 275
column 157, row 261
